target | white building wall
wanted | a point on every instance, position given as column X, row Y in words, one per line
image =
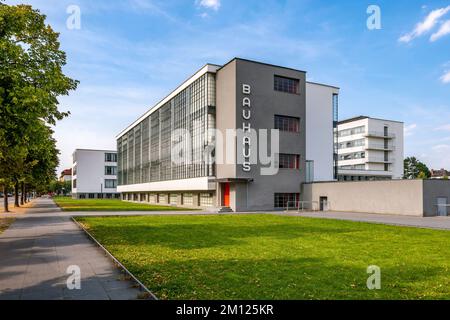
column 90, row 171
column 373, row 136
column 319, row 129
column 397, row 154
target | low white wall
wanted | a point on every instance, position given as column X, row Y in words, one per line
column 403, row 197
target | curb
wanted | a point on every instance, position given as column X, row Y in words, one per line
column 142, row 287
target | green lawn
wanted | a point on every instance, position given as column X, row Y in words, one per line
column 276, row 257
column 5, row 223
column 69, row 204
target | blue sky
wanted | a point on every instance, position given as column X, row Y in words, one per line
column 128, row 54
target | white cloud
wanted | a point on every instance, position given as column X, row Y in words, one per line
column 408, row 130
column 445, row 127
column 209, row 4
column 441, row 148
column 446, row 77
column 426, row 25
column 443, row 31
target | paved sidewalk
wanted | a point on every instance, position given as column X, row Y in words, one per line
column 411, row 221
column 36, row 251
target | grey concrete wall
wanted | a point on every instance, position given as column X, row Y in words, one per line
column 403, row 197
column 432, row 190
column 226, row 112
column 265, row 104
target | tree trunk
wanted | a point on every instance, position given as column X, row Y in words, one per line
column 22, row 195
column 16, row 195
column 5, row 198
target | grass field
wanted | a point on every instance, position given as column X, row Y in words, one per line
column 69, row 204
column 276, row 257
column 5, row 223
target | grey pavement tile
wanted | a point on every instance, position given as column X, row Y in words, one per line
column 36, row 251
column 123, row 294
column 9, row 296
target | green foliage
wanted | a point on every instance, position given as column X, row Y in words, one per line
column 445, row 177
column 276, row 257
column 414, row 169
column 31, row 80
column 422, row 175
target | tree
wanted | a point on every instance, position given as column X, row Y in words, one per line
column 414, row 169
column 422, row 175
column 31, row 80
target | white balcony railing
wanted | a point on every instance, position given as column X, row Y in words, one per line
column 379, row 159
column 380, row 146
column 379, row 134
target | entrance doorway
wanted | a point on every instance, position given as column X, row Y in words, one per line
column 323, row 202
column 226, row 195
column 442, row 206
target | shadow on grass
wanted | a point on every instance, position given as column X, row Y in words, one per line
column 303, row 278
column 199, row 235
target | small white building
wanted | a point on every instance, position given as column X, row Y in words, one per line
column 94, row 174
column 369, row 149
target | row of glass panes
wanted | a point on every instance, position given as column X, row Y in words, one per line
column 353, row 155
column 351, row 131
column 144, row 159
column 204, row 199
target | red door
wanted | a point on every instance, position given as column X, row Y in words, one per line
column 226, row 194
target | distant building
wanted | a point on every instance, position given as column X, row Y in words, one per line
column 94, row 174
column 439, row 174
column 66, row 175
column 369, row 149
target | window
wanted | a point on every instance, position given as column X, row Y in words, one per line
column 351, row 156
column 110, row 157
column 353, row 167
column 188, row 199
column 74, row 183
column 206, row 199
column 173, row 198
column 352, row 143
column 283, row 200
column 162, row 198
column 110, row 170
column 309, row 171
column 352, row 131
column 110, row 183
column 285, row 123
column 288, row 85
column 288, row 161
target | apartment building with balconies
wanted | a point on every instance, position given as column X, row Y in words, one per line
column 369, row 149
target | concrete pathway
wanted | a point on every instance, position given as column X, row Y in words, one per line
column 411, row 221
column 36, row 251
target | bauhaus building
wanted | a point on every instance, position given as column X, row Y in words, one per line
column 244, row 136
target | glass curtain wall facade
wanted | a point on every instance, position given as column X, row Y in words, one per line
column 145, row 151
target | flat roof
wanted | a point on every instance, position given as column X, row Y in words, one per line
column 323, row 84
column 365, row 117
column 262, row 63
column 205, row 69
column 95, row 150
